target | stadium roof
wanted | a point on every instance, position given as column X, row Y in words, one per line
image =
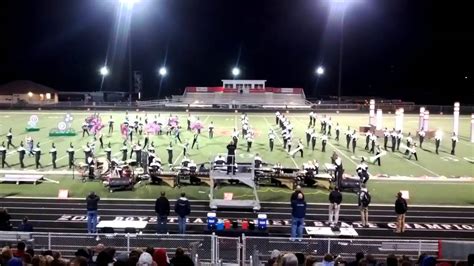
column 23, row 87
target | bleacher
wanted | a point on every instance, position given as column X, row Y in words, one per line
column 250, row 95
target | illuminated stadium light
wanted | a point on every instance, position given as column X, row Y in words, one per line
column 129, row 3
column 48, row 96
column 235, row 71
column 30, row 94
column 104, row 71
column 320, row 70
column 163, row 71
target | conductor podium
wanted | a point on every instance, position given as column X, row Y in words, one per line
column 244, row 174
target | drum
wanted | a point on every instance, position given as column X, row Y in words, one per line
column 103, row 165
column 132, row 162
column 126, row 173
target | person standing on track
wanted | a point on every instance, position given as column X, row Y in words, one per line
column 401, row 208
column 231, row 157
column 92, row 202
column 364, row 201
column 3, row 154
column 335, row 199
column 162, row 209
column 182, row 209
column 298, row 212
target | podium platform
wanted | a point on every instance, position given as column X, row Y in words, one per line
column 327, row 231
column 247, row 178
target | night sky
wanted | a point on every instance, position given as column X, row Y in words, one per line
column 408, row 49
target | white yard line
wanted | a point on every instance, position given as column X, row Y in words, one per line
column 416, row 164
column 281, row 142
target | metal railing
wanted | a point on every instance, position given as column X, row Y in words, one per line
column 218, row 250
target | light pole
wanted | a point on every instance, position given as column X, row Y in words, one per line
column 340, row 4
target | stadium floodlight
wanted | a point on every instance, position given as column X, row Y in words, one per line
column 30, row 94
column 320, row 70
column 129, row 3
column 104, row 71
column 235, row 71
column 163, row 71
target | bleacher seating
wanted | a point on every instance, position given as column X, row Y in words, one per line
column 220, row 96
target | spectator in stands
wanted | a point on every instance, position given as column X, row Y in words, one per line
column 289, row 259
column 273, row 257
column 392, row 260
column 105, row 257
column 298, row 213
column 182, row 209
column 15, row 262
column 371, row 260
column 160, row 257
column 359, row 256
column 181, row 259
column 82, row 252
column 20, row 249
column 146, row 260
column 401, row 208
column 25, row 225
column 162, row 209
column 38, row 260
column 5, row 224
column 328, row 260
column 78, row 261
column 122, row 260
column 310, row 260
column 6, row 255
column 134, row 256
column 92, row 204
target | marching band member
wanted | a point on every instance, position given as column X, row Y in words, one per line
column 101, row 141
column 339, row 168
column 377, row 154
column 124, row 151
column 311, row 119
column 111, row 125
column 277, row 117
column 169, row 149
column 87, row 151
column 91, row 166
column 394, row 134
column 373, row 140
column 399, row 139
column 235, row 136
column 189, row 122
column 108, row 152
column 454, row 140
column 323, row 125
column 9, row 139
column 85, row 129
column 271, row 139
column 337, row 132
column 413, row 152
column 249, row 141
column 30, row 146
column 137, row 148
column 314, row 137
column 308, row 132
column 245, row 127
column 409, row 143
column 21, row 153
column 362, row 171
column 257, row 161
column 37, row 152
column 3, row 154
column 368, row 134
column 354, row 137
column 185, row 148
column 328, row 127
column 147, row 139
column 438, row 138
column 299, row 148
column 348, row 137
column 386, row 134
column 290, row 139
column 219, row 160
column 54, row 153
column 195, row 140
column 324, row 140
column 309, row 174
column 211, row 130
column 421, row 135
column 177, row 134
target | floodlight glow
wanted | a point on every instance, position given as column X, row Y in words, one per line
column 320, row 70
column 235, row 71
column 129, row 2
column 104, row 71
column 163, row 71
column 30, row 94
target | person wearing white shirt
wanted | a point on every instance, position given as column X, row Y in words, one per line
column 324, row 140
column 373, row 140
column 308, row 132
column 311, row 114
column 454, row 140
column 421, row 135
column 211, row 130
column 338, row 130
column 386, row 134
column 348, row 137
column 393, row 134
column 354, row 137
column 399, row 139
column 271, row 139
column 362, row 171
column 409, row 143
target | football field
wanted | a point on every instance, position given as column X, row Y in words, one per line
column 446, row 167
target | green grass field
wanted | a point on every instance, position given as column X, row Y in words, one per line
column 393, row 164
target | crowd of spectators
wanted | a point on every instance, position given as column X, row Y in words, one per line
column 278, row 258
column 97, row 256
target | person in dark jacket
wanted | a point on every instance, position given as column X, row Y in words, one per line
column 298, row 212
column 5, row 224
column 182, row 209
column 162, row 209
column 401, row 208
column 335, row 199
column 295, row 193
column 92, row 203
column 363, row 203
column 25, row 226
column 181, row 259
